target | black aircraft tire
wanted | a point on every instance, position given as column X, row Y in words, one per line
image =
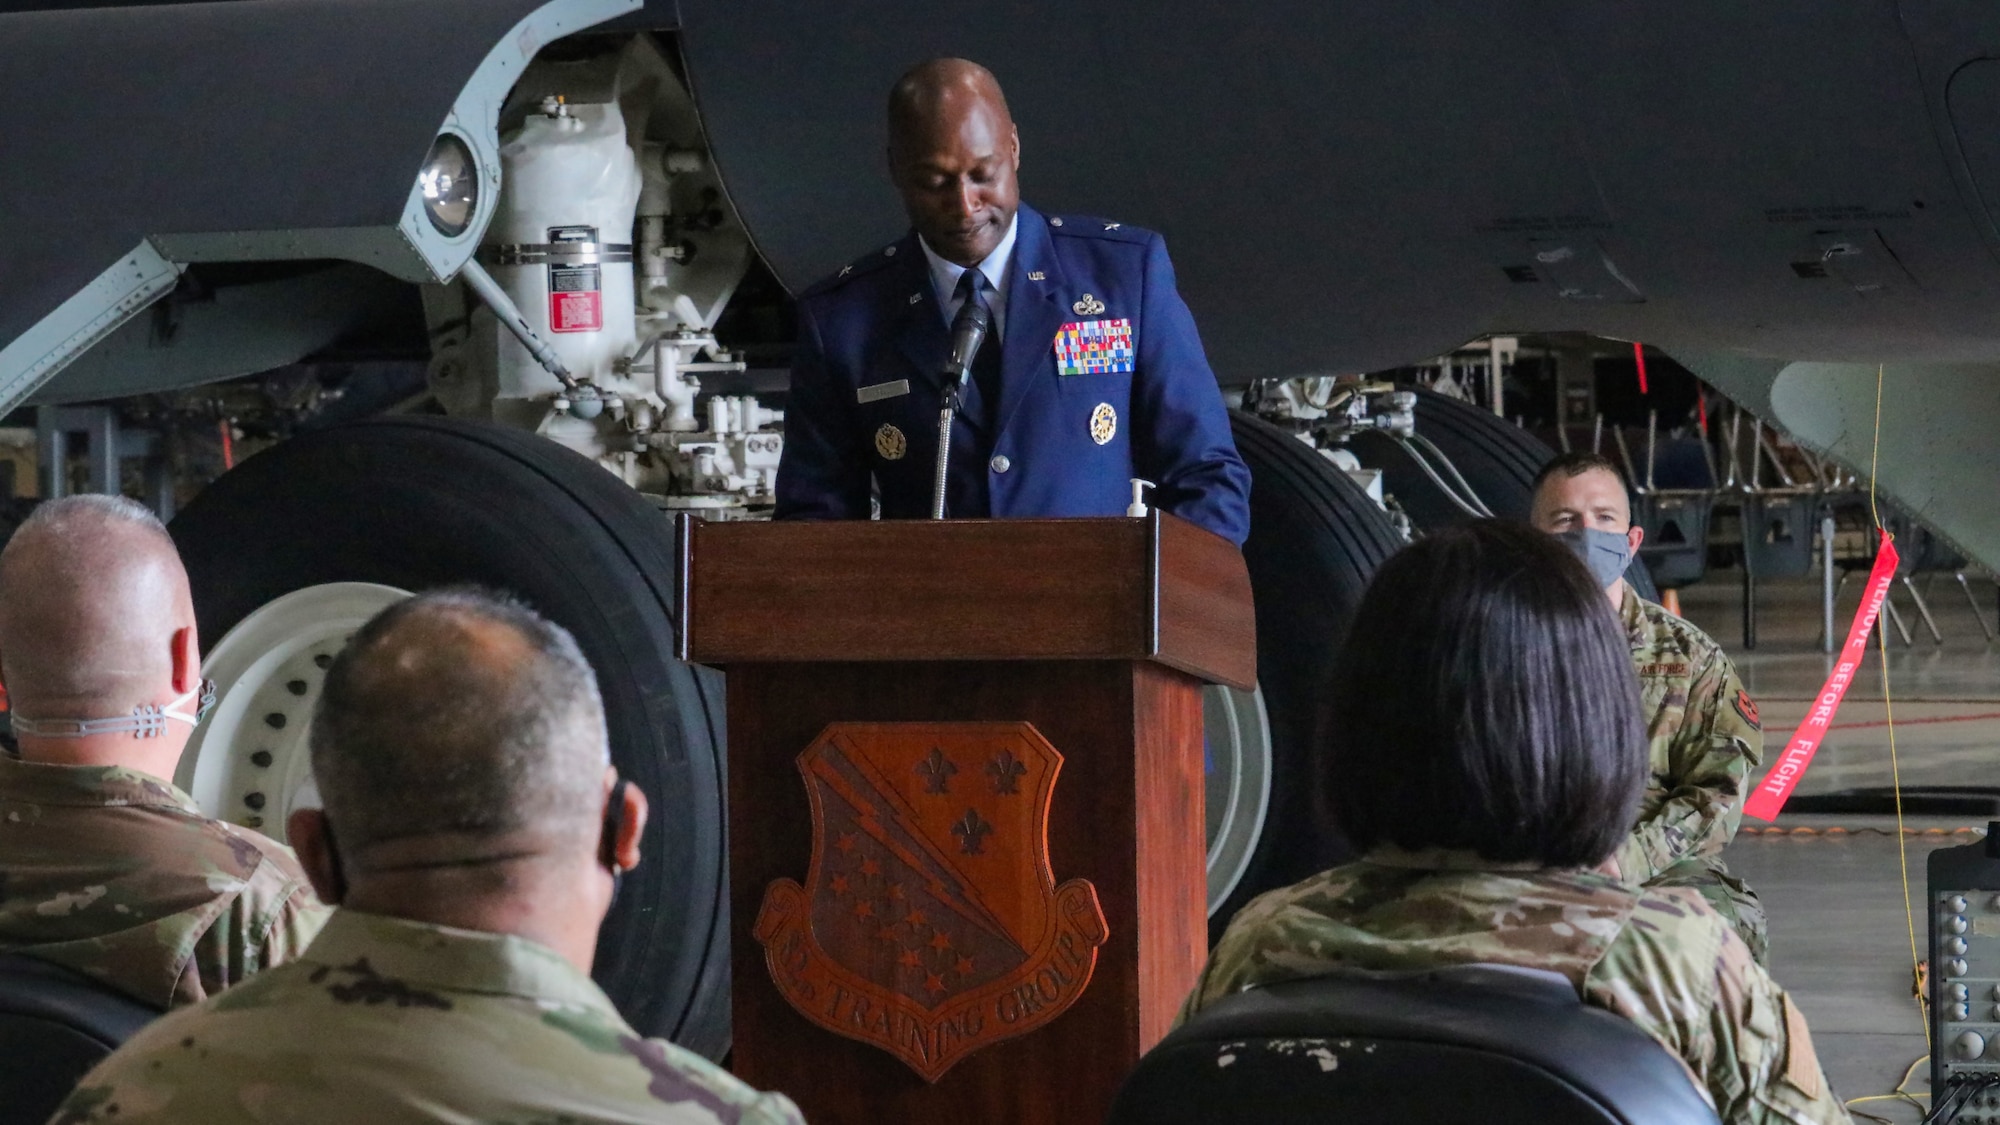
column 1497, row 458
column 417, row 503
column 1315, row 541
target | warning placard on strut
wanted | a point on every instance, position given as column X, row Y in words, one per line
column 1777, row 786
column 576, row 291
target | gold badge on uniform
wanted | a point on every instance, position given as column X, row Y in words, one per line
column 1103, row 423
column 889, row 442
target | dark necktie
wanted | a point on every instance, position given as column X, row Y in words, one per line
column 973, row 287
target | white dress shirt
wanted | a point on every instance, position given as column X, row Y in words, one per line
column 945, row 275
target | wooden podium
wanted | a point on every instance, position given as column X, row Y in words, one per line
column 966, row 847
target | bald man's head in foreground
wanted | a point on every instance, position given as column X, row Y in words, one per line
column 953, row 155
column 459, row 746
column 95, row 621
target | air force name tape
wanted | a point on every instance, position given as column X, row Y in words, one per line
column 1095, row 347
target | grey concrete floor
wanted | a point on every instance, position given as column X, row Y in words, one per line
column 1840, row 937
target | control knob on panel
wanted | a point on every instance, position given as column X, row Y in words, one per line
column 1955, row 967
column 1959, row 1011
column 1956, row 945
column 1956, row 924
column 1969, row 1045
column 1956, row 903
column 1960, row 992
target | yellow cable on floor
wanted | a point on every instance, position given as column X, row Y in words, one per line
column 1902, row 1092
column 1889, row 714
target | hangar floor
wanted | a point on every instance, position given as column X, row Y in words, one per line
column 1839, row 939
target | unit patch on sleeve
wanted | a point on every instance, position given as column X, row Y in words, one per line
column 1747, row 707
column 1095, row 347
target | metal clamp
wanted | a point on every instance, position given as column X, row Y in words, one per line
column 556, row 253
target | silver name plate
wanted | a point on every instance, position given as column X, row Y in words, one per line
column 880, row 391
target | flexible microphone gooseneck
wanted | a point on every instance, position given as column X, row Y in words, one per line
column 968, row 331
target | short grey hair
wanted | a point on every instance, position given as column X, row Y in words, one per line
column 91, row 589
column 428, row 725
column 61, row 515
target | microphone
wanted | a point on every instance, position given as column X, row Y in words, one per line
column 968, row 331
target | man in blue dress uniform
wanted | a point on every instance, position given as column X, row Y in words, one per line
column 1092, row 374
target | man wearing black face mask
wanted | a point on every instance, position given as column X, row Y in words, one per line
column 472, row 837
column 1701, row 724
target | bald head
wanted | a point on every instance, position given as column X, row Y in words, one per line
column 953, row 155
column 460, row 715
column 92, row 598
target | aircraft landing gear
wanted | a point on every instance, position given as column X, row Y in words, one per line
column 296, row 546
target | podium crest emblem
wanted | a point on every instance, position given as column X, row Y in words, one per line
column 930, row 923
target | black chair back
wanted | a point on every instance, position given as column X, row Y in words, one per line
column 1489, row 1044
column 54, row 1026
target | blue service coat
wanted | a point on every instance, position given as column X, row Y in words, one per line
column 1057, row 444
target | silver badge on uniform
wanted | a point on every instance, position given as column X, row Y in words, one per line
column 1089, row 306
column 1103, row 423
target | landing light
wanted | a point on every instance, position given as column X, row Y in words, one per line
column 450, row 183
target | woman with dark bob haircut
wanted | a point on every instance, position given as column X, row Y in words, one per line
column 1483, row 750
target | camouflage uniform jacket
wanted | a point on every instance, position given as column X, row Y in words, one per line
column 1704, row 736
column 116, row 874
column 1660, row 958
column 390, row 1021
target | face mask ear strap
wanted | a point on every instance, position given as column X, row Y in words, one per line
column 146, row 721
column 203, row 698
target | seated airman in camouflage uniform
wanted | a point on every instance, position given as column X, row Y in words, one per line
column 106, row 867
column 473, row 836
column 1488, row 787
column 1701, row 725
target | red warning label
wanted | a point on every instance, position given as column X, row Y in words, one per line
column 581, row 311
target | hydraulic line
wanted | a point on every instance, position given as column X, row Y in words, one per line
column 1470, row 493
column 1450, row 494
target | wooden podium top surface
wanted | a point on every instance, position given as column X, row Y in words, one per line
column 1156, row 588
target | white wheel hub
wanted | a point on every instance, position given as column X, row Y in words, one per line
column 248, row 764
column 1238, row 789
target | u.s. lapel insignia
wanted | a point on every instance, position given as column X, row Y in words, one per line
column 1103, row 424
column 1036, row 275
column 1089, row 306
column 929, row 923
column 891, row 444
